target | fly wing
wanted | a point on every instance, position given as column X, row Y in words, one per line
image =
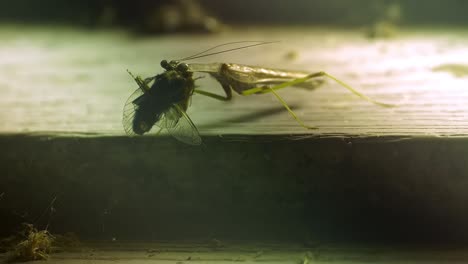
column 180, row 126
column 130, row 107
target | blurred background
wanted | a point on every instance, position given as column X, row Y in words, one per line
column 170, row 15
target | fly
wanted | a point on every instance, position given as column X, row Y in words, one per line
column 163, row 99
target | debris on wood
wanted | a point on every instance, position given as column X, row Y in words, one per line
column 36, row 245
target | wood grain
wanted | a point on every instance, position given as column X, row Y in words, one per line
column 245, row 252
column 65, row 80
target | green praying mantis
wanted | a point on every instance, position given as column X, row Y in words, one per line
column 163, row 99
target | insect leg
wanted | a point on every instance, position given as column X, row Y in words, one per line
column 143, row 84
column 226, row 88
column 298, row 120
column 272, row 90
column 149, row 79
column 308, row 77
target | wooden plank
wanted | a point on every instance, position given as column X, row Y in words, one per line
column 64, row 80
column 116, row 252
column 330, row 190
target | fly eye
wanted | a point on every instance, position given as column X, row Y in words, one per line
column 165, row 64
column 183, row 67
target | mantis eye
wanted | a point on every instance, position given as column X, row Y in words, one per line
column 183, row 67
column 165, row 64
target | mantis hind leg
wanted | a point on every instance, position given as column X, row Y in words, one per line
column 267, row 89
column 298, row 120
column 311, row 76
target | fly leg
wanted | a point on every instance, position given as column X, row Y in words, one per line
column 227, row 90
column 257, row 90
column 143, row 84
column 149, row 79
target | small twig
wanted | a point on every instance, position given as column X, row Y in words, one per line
column 50, row 207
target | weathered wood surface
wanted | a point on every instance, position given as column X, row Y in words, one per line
column 64, row 80
column 139, row 252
